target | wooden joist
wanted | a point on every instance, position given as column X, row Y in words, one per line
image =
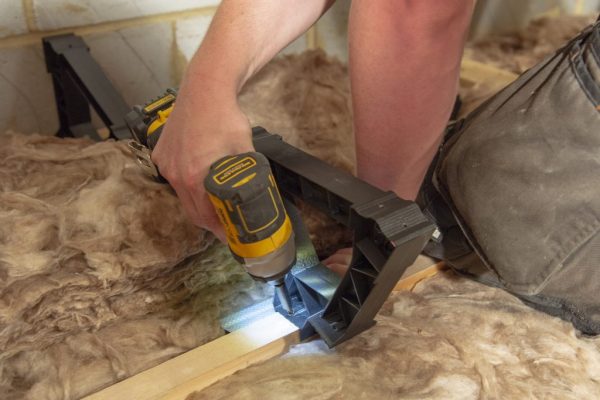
column 209, row 363
column 205, row 365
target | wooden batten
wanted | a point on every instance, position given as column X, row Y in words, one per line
column 209, row 363
column 205, row 365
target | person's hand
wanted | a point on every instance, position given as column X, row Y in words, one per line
column 200, row 130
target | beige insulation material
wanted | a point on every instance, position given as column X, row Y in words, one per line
column 306, row 99
column 450, row 338
column 521, row 50
column 101, row 274
column 518, row 51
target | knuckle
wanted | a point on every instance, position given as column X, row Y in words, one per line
column 208, row 218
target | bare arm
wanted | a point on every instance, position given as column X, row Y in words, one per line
column 404, row 66
column 245, row 35
column 207, row 123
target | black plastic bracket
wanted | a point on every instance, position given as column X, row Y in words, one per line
column 389, row 233
column 79, row 83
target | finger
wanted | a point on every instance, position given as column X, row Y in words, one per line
column 219, row 232
column 188, row 205
column 343, row 256
column 338, row 269
column 203, row 217
column 217, row 229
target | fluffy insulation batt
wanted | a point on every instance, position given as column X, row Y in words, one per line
column 101, row 275
column 518, row 51
column 521, row 50
column 448, row 339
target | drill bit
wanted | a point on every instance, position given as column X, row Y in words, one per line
column 284, row 297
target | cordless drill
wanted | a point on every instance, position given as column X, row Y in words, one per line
column 243, row 192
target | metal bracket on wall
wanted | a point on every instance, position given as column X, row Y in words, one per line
column 80, row 84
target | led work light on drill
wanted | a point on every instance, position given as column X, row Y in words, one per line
column 245, row 196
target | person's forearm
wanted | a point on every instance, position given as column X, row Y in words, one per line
column 404, row 65
column 207, row 123
column 244, row 35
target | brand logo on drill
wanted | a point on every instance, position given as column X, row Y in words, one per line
column 234, row 170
